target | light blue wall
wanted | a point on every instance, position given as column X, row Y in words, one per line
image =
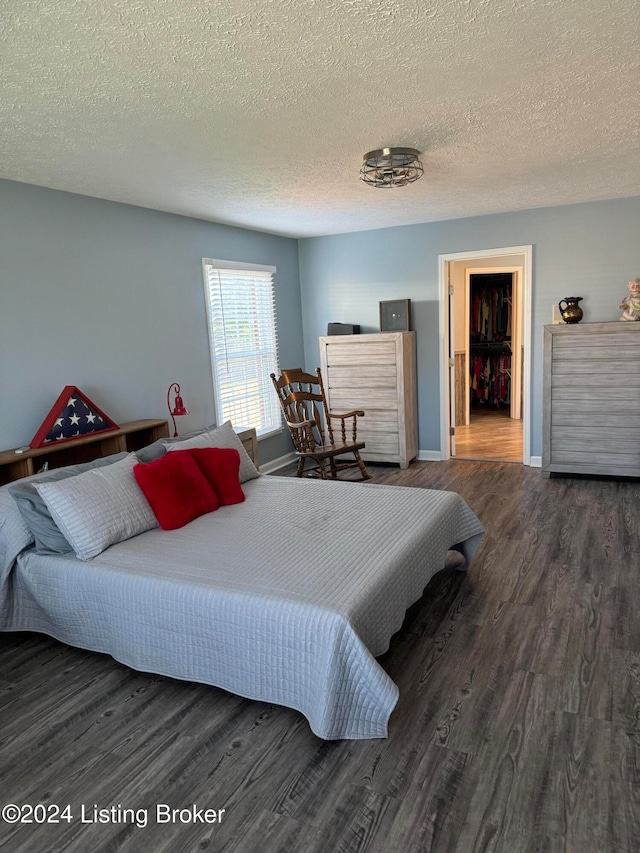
column 110, row 298
column 588, row 250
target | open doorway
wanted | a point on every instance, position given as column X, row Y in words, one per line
column 485, row 322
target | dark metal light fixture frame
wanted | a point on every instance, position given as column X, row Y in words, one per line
column 391, row 167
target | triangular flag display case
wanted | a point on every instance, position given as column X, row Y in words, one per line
column 72, row 416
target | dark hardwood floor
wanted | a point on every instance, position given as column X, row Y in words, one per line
column 517, row 728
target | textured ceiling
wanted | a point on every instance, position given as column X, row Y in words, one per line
column 258, row 113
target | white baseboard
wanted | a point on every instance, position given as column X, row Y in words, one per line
column 423, row 456
column 429, row 456
column 276, row 464
column 434, row 456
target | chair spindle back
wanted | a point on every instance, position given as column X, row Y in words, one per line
column 303, row 401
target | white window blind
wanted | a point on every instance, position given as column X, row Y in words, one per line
column 243, row 343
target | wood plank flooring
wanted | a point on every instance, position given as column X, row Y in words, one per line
column 491, row 435
column 517, row 728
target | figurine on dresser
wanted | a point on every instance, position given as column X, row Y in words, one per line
column 631, row 303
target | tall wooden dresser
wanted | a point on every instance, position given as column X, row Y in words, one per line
column 591, row 400
column 375, row 373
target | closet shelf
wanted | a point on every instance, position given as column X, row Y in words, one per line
column 484, row 345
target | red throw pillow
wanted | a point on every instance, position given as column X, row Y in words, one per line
column 220, row 465
column 176, row 488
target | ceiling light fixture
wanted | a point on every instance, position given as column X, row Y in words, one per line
column 391, row 167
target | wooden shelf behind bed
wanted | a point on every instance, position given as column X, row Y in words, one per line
column 130, row 436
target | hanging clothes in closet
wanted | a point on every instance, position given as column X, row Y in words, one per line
column 490, row 309
column 490, row 331
column 491, row 379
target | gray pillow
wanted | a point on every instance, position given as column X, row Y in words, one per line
column 152, row 451
column 222, row 436
column 158, row 449
column 99, row 508
column 46, row 533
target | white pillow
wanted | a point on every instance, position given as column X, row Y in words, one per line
column 222, row 436
column 98, row 508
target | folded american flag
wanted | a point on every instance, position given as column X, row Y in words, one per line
column 73, row 415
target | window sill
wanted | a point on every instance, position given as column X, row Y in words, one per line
column 269, row 434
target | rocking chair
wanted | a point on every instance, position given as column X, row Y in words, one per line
column 301, row 395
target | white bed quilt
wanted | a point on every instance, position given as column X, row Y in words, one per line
column 287, row 598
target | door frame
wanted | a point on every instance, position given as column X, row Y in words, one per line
column 445, row 391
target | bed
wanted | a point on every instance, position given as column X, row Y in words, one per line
column 287, row 598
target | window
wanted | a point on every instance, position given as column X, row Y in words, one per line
column 243, row 343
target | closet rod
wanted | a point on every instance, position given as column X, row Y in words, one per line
column 491, row 345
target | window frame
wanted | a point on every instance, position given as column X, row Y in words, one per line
column 219, row 264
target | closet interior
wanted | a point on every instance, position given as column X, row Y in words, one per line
column 490, row 341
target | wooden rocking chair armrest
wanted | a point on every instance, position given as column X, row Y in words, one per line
column 357, row 413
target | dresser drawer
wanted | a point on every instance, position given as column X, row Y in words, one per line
column 564, row 414
column 365, row 354
column 380, row 399
column 596, row 381
column 605, row 353
column 380, row 442
column 378, row 420
column 614, row 440
column 361, row 375
column 568, row 370
column 583, row 459
column 593, row 341
column 594, row 398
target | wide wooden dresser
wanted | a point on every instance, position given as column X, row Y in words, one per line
column 591, row 399
column 375, row 373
